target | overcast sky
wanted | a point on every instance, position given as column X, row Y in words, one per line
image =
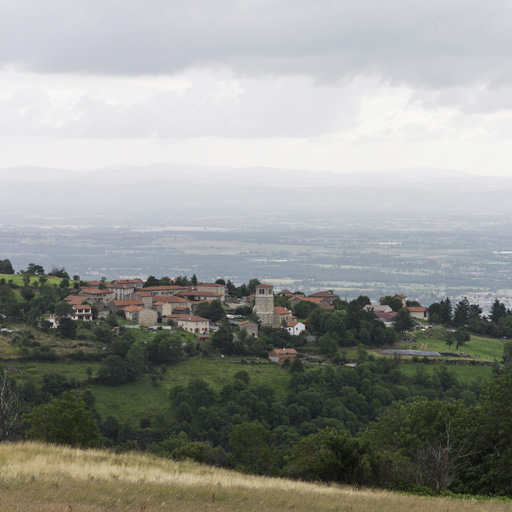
column 313, row 84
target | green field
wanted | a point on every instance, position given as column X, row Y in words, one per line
column 479, row 348
column 17, row 279
column 137, row 398
column 465, row 373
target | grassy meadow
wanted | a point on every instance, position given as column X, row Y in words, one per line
column 17, row 279
column 41, row 478
column 135, row 398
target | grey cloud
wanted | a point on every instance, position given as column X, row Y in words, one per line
column 434, row 44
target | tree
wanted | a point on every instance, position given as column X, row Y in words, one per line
column 395, row 303
column 113, row 371
column 216, row 311
column 507, row 353
column 203, row 309
column 329, row 455
column 36, row 270
column 475, row 312
column 403, row 320
column 67, row 328
column 63, row 421
column 181, row 281
column 498, row 310
column 151, row 281
column 223, row 340
column 250, row 448
column 251, row 287
column 136, row 360
column 461, row 313
column 63, row 309
column 193, row 280
column 10, row 407
column 303, row 308
column 59, row 272
column 425, row 441
column 6, row 267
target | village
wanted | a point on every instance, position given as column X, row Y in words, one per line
column 176, row 306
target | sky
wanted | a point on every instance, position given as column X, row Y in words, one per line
column 324, row 85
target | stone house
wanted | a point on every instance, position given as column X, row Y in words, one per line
column 420, row 313
column 279, row 355
column 100, row 298
column 213, row 287
column 193, row 324
column 250, row 327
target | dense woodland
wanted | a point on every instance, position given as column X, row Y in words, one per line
column 369, row 424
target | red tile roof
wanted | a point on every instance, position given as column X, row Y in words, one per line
column 324, row 294
column 281, row 311
column 96, row 291
column 128, row 302
column 284, row 351
column 191, row 318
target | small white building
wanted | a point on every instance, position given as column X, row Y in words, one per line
column 295, row 328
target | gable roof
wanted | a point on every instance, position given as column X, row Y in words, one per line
column 284, row 351
column 325, row 295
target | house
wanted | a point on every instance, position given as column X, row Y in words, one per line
column 100, row 298
column 420, row 313
column 326, row 296
column 136, row 283
column 117, row 305
column 193, row 324
column 282, row 315
column 250, row 327
column 295, row 299
column 381, row 308
column 82, row 312
column 213, row 287
column 164, row 289
column 143, row 316
column 147, row 317
column 402, row 297
column 167, row 306
column 194, row 294
column 294, row 327
column 132, row 313
column 145, row 297
column 121, row 291
column 280, row 355
column 385, row 317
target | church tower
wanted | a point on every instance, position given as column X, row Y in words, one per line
column 264, row 303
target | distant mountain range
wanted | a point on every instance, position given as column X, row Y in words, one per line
column 157, row 194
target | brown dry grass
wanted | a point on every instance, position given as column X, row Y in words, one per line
column 37, row 477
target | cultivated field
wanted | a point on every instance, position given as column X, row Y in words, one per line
column 41, row 478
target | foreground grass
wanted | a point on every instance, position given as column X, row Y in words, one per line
column 37, row 477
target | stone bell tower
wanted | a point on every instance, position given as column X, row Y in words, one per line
column 264, row 303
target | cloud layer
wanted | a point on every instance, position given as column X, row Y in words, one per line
column 435, row 43
column 333, row 84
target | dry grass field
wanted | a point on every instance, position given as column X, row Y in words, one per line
column 37, row 477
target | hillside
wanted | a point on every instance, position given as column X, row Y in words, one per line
column 36, row 477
